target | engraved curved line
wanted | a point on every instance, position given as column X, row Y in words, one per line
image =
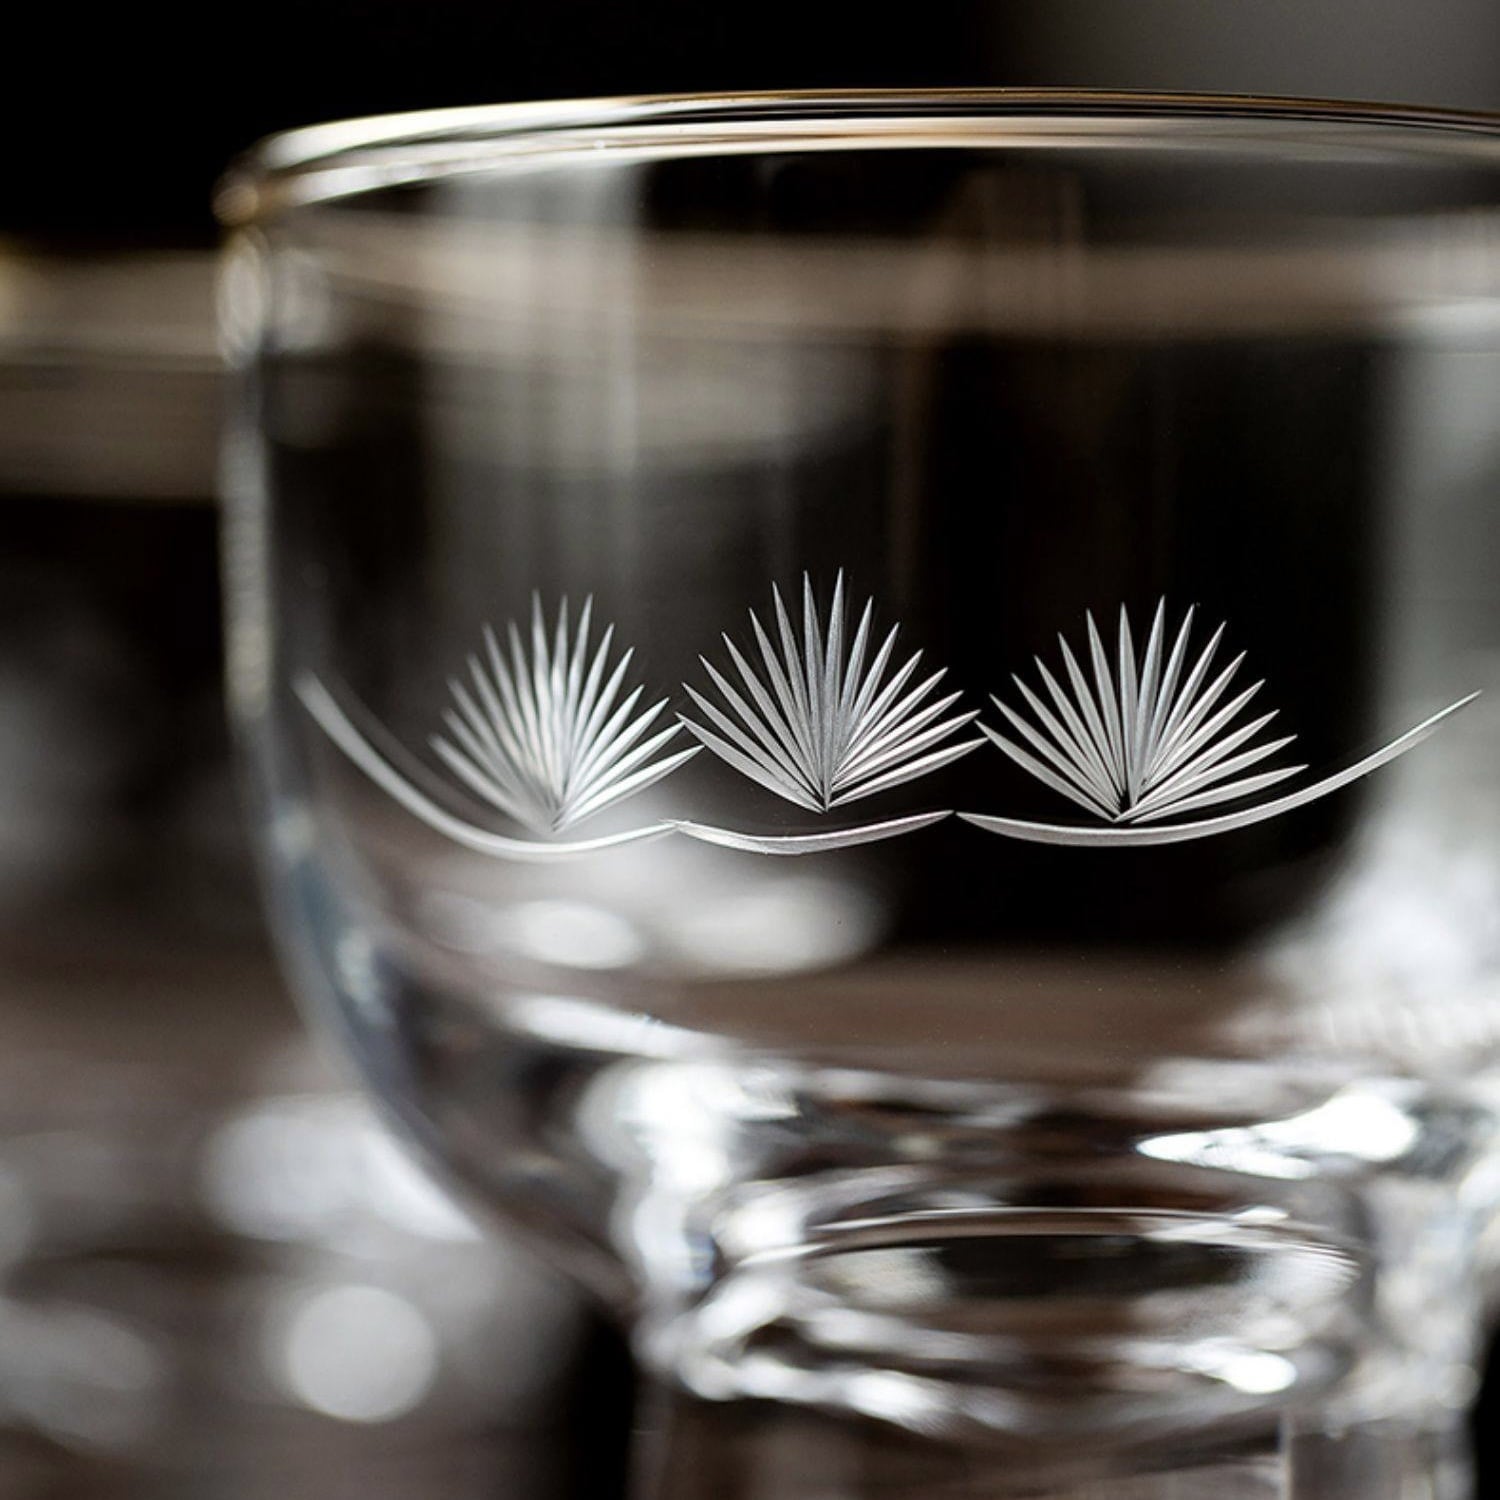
column 808, row 843
column 1140, row 837
column 336, row 724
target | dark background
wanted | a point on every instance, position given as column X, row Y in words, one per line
column 130, row 114
column 131, row 111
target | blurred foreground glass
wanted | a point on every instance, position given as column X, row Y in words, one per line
column 863, row 712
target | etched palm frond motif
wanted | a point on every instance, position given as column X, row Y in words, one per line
column 543, row 729
column 542, row 732
column 1160, row 733
column 818, row 716
column 1157, row 736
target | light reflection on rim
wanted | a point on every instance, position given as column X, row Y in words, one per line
column 320, row 162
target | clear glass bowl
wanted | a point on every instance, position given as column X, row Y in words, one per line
column 865, row 715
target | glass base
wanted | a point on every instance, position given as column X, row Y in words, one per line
column 746, row 1450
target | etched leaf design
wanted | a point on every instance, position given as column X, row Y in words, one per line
column 1153, row 738
column 818, row 717
column 541, row 730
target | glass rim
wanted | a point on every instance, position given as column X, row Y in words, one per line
column 315, row 162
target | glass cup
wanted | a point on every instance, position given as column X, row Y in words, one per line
column 866, row 715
